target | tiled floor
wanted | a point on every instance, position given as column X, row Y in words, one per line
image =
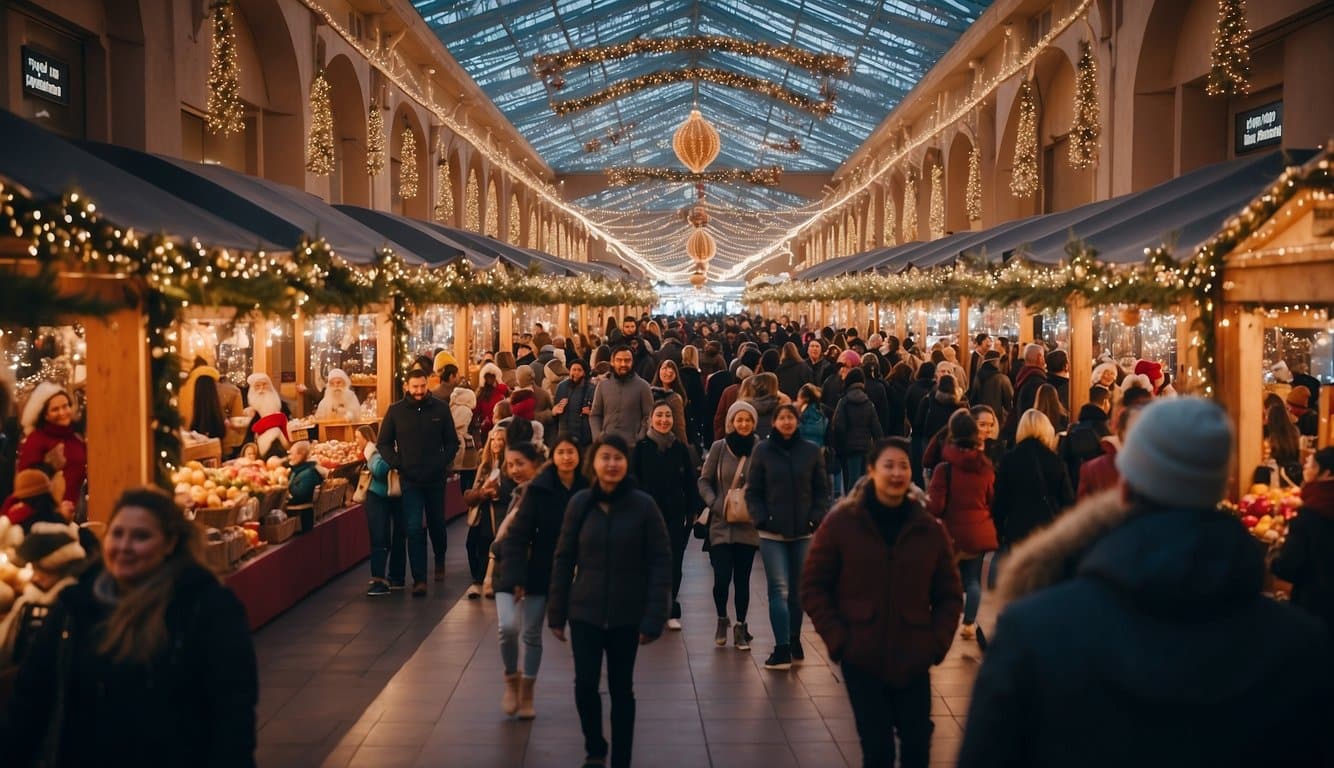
column 349, row 681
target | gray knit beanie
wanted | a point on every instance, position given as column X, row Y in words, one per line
column 737, row 407
column 1178, row 453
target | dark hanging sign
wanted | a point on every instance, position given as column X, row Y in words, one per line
column 1260, row 127
column 45, row 77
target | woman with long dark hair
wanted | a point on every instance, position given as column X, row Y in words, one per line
column 1283, row 464
column 207, row 418
column 148, row 658
column 668, row 388
column 613, row 535
column 663, row 467
column 1048, row 401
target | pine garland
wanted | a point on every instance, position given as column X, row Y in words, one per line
column 973, row 192
column 444, row 194
column 889, row 223
column 937, row 201
column 407, row 165
column 1087, row 126
column 319, row 142
column 225, row 111
column 374, row 140
column 472, row 203
column 1024, row 171
column 1230, row 70
column 910, row 208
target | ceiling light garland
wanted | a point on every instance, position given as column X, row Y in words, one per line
column 910, row 207
column 1230, row 70
column 226, row 113
column 444, row 194
column 937, row 221
column 826, row 64
column 972, row 194
column 764, row 177
column 374, row 140
column 319, row 142
column 407, row 165
column 1087, row 123
column 622, row 88
column 886, row 165
column 1024, row 169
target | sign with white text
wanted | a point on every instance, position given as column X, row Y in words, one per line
column 1261, row 127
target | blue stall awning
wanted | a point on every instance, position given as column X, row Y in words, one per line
column 422, row 238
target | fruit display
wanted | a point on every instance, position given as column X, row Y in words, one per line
column 300, row 424
column 230, row 484
column 1265, row 511
column 363, row 380
column 334, row 453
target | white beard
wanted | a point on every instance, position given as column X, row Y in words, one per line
column 266, row 404
column 338, row 403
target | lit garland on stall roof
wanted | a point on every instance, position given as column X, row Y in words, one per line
column 1230, row 59
column 910, row 208
column 407, row 165
column 827, row 64
column 622, row 88
column 1087, row 122
column 374, row 140
column 937, row 201
column 225, row 111
column 444, row 194
column 972, row 193
column 1024, row 170
column 320, row 143
column 764, row 177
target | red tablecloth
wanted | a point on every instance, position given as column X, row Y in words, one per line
column 283, row 575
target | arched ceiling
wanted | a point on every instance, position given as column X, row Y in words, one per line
column 889, row 46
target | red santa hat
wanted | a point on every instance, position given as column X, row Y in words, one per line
column 1151, row 369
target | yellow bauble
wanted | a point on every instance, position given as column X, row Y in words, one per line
column 701, row 246
column 696, row 142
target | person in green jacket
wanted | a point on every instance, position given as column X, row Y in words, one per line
column 301, row 484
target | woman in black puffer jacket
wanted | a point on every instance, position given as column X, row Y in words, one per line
column 787, row 494
column 854, row 428
column 614, row 537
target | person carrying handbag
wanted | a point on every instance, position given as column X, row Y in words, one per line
column 732, row 545
column 384, row 516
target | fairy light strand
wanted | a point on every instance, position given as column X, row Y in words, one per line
column 226, row 113
column 407, row 165
column 1024, row 170
column 1087, row 123
column 319, row 143
column 622, row 88
column 827, row 64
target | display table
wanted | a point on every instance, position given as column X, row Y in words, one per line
column 284, row 574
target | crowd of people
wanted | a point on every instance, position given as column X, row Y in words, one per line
column 888, row 486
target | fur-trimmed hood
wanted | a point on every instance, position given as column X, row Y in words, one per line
column 36, row 404
column 1052, row 555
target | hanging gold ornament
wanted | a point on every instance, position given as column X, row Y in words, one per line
column 973, row 192
column 407, row 166
column 701, row 246
column 225, row 111
column 698, row 279
column 696, row 142
column 444, row 194
column 937, row 221
column 1024, row 171
column 319, row 143
column 910, row 209
column 699, row 216
column 1086, row 126
column 374, row 140
column 1130, row 316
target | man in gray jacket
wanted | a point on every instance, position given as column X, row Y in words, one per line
column 622, row 401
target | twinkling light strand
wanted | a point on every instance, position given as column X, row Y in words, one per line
column 973, row 191
column 1087, row 124
column 937, row 220
column 765, row 177
column 407, row 165
column 444, row 194
column 375, row 140
column 1230, row 58
column 226, row 113
column 816, row 63
column 622, row 88
column 319, row 142
column 889, row 225
column 910, row 208
column 1024, row 169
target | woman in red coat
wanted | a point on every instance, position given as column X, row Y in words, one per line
column 50, row 442
column 963, row 486
column 881, row 589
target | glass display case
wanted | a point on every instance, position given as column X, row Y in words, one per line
column 341, row 341
column 994, row 320
column 1129, row 334
column 432, row 329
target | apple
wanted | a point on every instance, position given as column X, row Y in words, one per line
column 1249, row 521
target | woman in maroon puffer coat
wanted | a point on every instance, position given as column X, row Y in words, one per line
column 962, row 489
column 50, row 442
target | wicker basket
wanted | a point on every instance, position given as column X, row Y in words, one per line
column 280, row 532
column 237, row 548
column 330, row 497
column 216, row 517
column 215, row 557
column 273, row 498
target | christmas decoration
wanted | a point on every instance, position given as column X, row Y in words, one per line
column 472, row 205
column 889, row 222
column 696, row 142
column 492, row 212
column 225, row 111
column 374, row 140
column 534, row 229
column 972, row 193
column 698, row 279
column 516, row 224
column 701, row 246
column 1024, row 170
column 937, row 221
column 407, row 165
column 444, row 194
column 623, row 88
column 910, row 208
column 764, row 177
column 698, row 216
column 319, row 143
column 1086, row 126
column 826, row 64
column 1230, row 70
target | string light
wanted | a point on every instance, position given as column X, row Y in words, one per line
column 889, row 224
column 622, row 88
column 827, row 64
column 319, row 143
column 1230, row 59
column 910, row 208
column 937, row 201
column 1087, row 122
column 492, row 212
column 1024, row 171
column 407, row 165
column 516, row 224
column 472, row 205
column 972, row 193
column 764, row 177
column 225, row 112
column 444, row 193
column 374, row 140
column 533, row 229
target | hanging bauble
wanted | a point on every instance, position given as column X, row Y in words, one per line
column 701, row 246
column 698, row 279
column 696, row 142
column 1130, row 316
column 699, row 216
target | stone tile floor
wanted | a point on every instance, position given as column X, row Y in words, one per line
column 352, row 681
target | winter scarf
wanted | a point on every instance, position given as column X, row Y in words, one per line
column 738, row 445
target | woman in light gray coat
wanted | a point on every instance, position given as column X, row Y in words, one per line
column 732, row 546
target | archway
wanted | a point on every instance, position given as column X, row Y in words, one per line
column 349, row 184
column 417, row 206
column 281, row 112
column 1062, row 187
column 1007, row 207
column 1153, row 155
column 956, row 184
column 896, row 188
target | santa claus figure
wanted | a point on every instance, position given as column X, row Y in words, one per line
column 339, row 402
column 268, row 425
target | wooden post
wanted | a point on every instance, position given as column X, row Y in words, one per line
column 462, row 334
column 1241, row 357
column 921, row 325
column 506, row 328
column 562, row 319
column 1080, row 352
column 259, row 346
column 385, row 363
column 965, row 342
column 583, row 320
column 302, row 367
column 120, row 440
column 1188, row 355
column 901, row 322
column 1026, row 315
column 875, row 317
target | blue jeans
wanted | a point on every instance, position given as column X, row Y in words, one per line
column 971, row 572
column 854, row 466
column 420, row 503
column 783, row 561
column 531, row 610
column 384, row 515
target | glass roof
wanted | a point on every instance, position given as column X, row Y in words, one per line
column 890, row 45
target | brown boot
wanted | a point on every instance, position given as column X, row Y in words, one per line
column 509, row 703
column 526, row 710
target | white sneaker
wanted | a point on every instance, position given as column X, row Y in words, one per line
column 674, row 624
